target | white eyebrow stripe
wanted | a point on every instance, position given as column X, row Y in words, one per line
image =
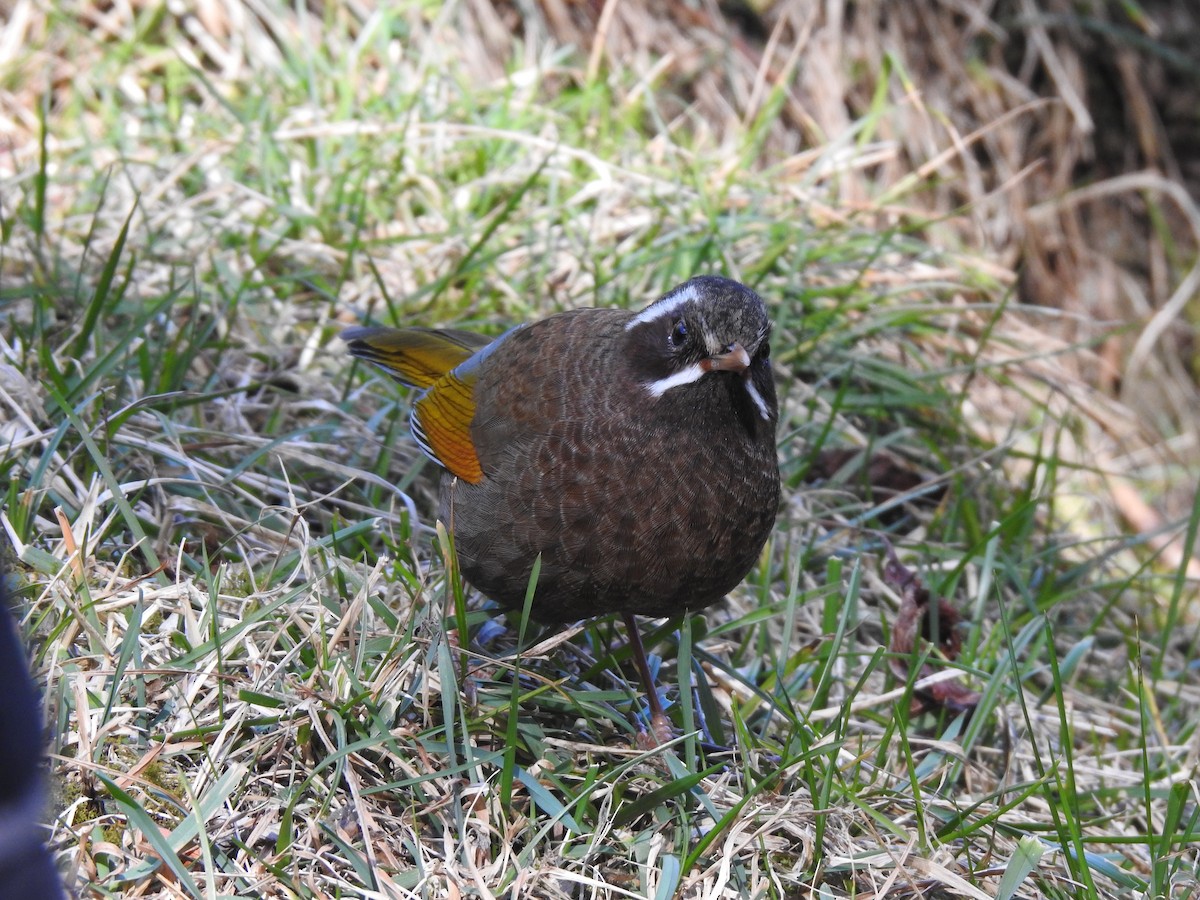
column 668, row 304
column 692, row 373
column 757, row 398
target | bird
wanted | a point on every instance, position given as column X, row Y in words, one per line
column 632, row 453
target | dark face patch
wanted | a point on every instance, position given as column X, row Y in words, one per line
column 701, row 320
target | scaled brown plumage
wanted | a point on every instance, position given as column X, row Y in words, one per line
column 635, row 452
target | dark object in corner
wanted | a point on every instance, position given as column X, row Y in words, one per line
column 26, row 870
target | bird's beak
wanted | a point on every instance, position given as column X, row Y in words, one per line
column 733, row 358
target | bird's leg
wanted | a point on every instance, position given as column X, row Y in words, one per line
column 660, row 726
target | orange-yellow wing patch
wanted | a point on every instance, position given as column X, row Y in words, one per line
column 446, row 363
column 441, row 423
column 417, row 357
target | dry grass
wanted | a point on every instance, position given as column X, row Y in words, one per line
column 257, row 678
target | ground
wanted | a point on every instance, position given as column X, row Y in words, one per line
column 977, row 235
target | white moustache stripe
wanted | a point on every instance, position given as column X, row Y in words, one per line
column 692, row 373
column 757, row 398
column 663, row 307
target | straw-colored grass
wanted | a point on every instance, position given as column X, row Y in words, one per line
column 260, row 680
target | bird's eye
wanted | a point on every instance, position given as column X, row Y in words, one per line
column 678, row 334
column 764, row 350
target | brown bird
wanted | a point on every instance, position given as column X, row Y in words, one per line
column 634, row 452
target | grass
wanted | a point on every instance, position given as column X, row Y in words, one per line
column 261, row 679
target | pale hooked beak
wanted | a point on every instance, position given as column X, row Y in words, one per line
column 733, row 358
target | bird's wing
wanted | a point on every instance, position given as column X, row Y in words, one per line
column 417, row 357
column 441, row 423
